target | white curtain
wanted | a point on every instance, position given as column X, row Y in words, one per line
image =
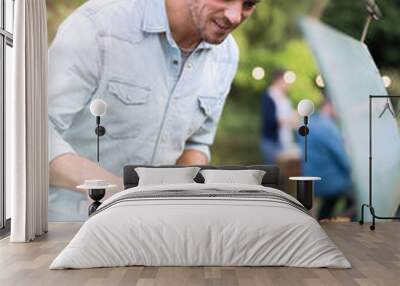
column 27, row 173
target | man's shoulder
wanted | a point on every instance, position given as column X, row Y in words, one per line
column 118, row 18
column 267, row 93
column 95, row 7
column 108, row 12
column 267, row 101
column 322, row 125
column 231, row 45
column 228, row 50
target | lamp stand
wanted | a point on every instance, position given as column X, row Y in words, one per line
column 96, row 195
column 370, row 204
column 374, row 13
column 303, row 131
column 366, row 28
column 100, row 131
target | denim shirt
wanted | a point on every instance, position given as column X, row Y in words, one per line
column 122, row 51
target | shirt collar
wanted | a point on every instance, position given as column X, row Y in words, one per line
column 274, row 92
column 155, row 20
column 205, row 46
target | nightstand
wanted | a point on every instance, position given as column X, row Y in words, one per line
column 305, row 190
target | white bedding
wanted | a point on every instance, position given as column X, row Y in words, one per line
column 183, row 231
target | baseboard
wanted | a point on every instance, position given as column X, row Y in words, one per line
column 5, row 231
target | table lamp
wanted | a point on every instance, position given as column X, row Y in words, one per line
column 305, row 108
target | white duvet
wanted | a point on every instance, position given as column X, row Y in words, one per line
column 202, row 231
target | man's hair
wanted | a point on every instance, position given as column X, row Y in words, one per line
column 277, row 74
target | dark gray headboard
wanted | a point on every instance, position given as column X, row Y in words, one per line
column 271, row 177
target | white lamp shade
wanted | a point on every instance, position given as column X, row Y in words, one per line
column 98, row 107
column 305, row 107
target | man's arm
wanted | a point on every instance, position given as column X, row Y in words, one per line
column 197, row 149
column 74, row 72
column 192, row 157
column 70, row 170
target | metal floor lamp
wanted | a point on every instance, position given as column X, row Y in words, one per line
column 370, row 204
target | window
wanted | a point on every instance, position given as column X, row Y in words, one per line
column 6, row 44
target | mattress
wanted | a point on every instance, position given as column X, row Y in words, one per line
column 201, row 225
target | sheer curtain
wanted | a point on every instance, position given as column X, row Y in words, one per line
column 26, row 122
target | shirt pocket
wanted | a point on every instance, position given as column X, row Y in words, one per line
column 128, row 109
column 210, row 106
column 206, row 116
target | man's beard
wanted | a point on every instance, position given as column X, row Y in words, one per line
column 200, row 27
column 194, row 16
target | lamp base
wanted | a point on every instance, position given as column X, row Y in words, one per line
column 374, row 216
column 100, row 130
column 96, row 195
column 305, row 193
column 304, row 131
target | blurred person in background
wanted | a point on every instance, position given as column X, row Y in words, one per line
column 327, row 158
column 278, row 119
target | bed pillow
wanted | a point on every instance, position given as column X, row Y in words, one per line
column 163, row 176
column 248, row 177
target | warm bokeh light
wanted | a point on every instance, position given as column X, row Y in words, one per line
column 387, row 81
column 319, row 81
column 258, row 73
column 290, row 77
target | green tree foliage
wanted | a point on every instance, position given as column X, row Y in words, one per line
column 384, row 35
column 57, row 11
column 273, row 23
column 383, row 39
column 270, row 39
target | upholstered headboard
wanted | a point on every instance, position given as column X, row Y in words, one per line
column 271, row 177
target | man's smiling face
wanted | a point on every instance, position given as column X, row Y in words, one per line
column 215, row 19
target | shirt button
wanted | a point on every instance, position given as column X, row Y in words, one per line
column 175, row 62
column 189, row 66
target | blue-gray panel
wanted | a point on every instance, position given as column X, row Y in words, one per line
column 350, row 76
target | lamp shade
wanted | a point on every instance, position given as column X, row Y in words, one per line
column 98, row 107
column 305, row 107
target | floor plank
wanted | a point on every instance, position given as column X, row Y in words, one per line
column 375, row 257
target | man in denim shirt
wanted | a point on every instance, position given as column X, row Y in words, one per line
column 164, row 67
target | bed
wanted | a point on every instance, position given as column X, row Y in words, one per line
column 201, row 224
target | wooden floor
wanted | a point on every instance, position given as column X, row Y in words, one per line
column 375, row 257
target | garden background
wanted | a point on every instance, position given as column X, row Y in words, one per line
column 271, row 39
